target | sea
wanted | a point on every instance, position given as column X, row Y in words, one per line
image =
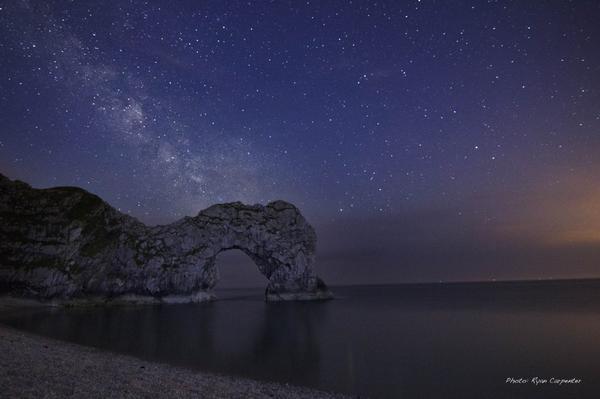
column 447, row 340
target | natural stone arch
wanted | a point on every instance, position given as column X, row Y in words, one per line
column 276, row 237
column 67, row 243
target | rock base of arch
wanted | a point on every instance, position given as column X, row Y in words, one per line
column 279, row 293
column 298, row 296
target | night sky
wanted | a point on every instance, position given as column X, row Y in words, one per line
column 425, row 140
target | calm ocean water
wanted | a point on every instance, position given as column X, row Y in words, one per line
column 407, row 341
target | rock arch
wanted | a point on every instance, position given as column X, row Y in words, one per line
column 67, row 243
column 276, row 237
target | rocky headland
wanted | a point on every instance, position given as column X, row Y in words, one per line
column 64, row 244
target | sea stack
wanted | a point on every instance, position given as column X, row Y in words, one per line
column 65, row 244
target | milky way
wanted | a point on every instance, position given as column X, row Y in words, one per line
column 425, row 140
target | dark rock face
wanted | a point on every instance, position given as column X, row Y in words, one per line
column 66, row 243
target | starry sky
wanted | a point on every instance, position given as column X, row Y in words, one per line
column 425, row 140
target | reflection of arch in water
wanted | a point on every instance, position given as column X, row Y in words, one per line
column 289, row 341
column 173, row 334
column 277, row 340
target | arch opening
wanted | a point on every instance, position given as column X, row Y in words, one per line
column 235, row 269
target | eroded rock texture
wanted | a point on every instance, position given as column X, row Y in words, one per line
column 66, row 243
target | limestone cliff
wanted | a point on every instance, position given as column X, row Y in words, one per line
column 65, row 243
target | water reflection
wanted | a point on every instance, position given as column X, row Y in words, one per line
column 417, row 341
column 288, row 340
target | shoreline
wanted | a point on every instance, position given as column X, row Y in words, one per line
column 33, row 366
column 12, row 301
